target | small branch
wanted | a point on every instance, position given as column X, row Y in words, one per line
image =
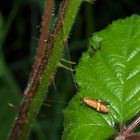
column 132, row 127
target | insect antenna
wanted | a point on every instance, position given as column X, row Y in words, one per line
column 70, row 64
column 48, row 102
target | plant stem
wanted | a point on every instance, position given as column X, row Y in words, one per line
column 132, row 126
column 21, row 121
column 41, row 49
column 46, row 62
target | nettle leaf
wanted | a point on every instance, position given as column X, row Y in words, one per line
column 109, row 71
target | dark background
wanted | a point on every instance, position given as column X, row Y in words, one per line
column 19, row 30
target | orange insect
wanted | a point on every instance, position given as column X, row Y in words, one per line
column 96, row 104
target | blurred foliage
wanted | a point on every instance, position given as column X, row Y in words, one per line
column 19, row 25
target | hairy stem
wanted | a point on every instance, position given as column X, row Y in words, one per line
column 46, row 62
column 20, row 127
column 132, row 126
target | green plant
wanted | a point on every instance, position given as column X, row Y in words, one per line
column 41, row 74
column 109, row 71
column 47, row 60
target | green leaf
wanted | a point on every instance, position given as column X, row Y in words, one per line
column 111, row 74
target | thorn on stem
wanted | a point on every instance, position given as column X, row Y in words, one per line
column 13, row 107
column 53, row 82
column 35, row 38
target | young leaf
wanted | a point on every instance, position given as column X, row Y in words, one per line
column 109, row 71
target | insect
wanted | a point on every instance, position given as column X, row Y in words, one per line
column 96, row 104
column 94, row 50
